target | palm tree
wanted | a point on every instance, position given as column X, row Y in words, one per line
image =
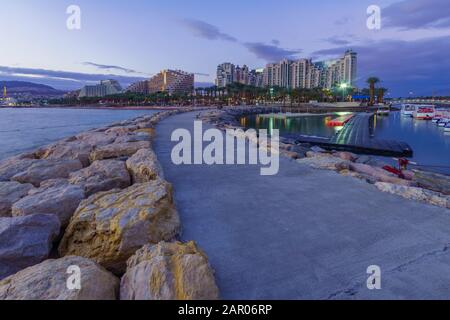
column 380, row 93
column 372, row 81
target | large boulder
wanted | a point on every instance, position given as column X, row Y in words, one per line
column 136, row 137
column 144, row 166
column 110, row 226
column 414, row 193
column 122, row 130
column 94, row 138
column 25, row 241
column 11, row 192
column 118, row 150
column 321, row 161
column 433, row 181
column 169, row 271
column 102, row 175
column 12, row 166
column 48, row 281
column 73, row 150
column 42, row 170
column 56, row 197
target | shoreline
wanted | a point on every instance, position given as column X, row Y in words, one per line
column 100, row 199
column 97, row 200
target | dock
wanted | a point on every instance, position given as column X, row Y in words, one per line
column 357, row 137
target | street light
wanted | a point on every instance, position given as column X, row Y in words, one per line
column 343, row 86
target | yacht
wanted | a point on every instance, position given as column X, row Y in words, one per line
column 424, row 112
column 408, row 110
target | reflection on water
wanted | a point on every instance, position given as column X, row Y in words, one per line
column 431, row 145
column 309, row 125
column 22, row 130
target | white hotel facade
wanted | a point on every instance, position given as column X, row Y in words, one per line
column 302, row 73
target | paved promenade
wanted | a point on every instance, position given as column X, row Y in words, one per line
column 306, row 233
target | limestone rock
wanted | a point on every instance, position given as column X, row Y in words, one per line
column 169, row 271
column 12, row 166
column 102, row 175
column 98, row 139
column 321, row 161
column 140, row 136
column 48, row 281
column 117, row 150
column 144, row 166
column 415, row 193
column 110, row 226
column 11, row 192
column 42, row 170
column 433, row 181
column 74, row 150
column 56, row 197
column 122, row 130
column 379, row 174
column 25, row 241
column 348, row 156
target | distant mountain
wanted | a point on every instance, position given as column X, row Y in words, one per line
column 28, row 88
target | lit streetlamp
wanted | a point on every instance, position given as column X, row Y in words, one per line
column 343, row 87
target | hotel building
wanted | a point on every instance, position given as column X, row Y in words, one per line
column 171, row 81
column 307, row 74
column 105, row 88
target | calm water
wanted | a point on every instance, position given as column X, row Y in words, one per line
column 22, row 130
column 430, row 143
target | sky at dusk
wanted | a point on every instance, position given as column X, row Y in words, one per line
column 129, row 40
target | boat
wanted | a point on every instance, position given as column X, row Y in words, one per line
column 408, row 110
column 424, row 112
column 443, row 122
column 383, row 109
column 447, row 127
column 436, row 119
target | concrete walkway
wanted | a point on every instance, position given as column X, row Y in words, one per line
column 306, row 233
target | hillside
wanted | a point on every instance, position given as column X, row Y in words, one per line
column 29, row 88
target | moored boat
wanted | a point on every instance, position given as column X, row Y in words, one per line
column 408, row 110
column 424, row 112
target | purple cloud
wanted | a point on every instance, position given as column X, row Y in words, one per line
column 205, row 30
column 421, row 66
column 109, row 67
column 413, row 14
column 337, row 41
column 270, row 52
column 61, row 79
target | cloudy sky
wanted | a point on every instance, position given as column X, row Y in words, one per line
column 133, row 39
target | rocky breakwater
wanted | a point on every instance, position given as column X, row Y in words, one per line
column 418, row 185
column 96, row 203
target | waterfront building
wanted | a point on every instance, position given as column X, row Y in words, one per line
column 170, row 81
column 225, row 74
column 140, row 87
column 228, row 73
column 105, row 88
column 304, row 73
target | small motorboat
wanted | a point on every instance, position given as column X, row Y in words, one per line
column 443, row 122
column 436, row 119
column 408, row 110
column 447, row 127
column 424, row 112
